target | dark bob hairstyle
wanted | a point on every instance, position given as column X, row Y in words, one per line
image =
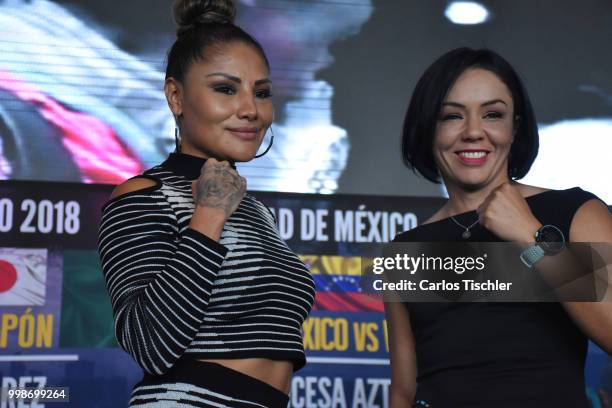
column 429, row 94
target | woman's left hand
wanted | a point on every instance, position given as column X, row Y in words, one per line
column 506, row 213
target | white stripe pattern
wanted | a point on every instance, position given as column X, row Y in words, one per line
column 176, row 292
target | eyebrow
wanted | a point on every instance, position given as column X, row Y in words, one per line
column 459, row 105
column 238, row 80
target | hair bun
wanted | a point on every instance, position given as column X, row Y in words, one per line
column 191, row 13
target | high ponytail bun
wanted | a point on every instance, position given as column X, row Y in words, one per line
column 193, row 13
column 204, row 25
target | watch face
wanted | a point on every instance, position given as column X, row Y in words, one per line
column 550, row 239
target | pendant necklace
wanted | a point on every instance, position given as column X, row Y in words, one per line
column 465, row 234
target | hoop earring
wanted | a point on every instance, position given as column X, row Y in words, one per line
column 269, row 146
column 177, row 135
column 177, row 142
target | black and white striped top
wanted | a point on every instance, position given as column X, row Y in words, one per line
column 175, row 292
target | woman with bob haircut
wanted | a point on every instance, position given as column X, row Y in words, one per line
column 207, row 298
column 470, row 125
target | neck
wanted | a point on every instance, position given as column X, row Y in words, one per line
column 189, row 150
column 186, row 165
column 461, row 200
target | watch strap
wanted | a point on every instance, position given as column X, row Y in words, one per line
column 532, row 255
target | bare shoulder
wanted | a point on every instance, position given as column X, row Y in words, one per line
column 592, row 223
column 132, row 185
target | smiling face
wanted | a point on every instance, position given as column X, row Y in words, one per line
column 224, row 104
column 474, row 132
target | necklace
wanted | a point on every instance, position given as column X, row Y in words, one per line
column 465, row 234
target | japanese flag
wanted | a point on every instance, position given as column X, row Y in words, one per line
column 23, row 276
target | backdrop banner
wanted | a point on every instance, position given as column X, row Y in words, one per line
column 56, row 327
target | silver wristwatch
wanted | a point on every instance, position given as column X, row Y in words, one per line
column 549, row 241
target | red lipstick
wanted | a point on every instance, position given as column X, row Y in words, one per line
column 473, row 157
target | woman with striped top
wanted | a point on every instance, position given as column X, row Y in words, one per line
column 206, row 296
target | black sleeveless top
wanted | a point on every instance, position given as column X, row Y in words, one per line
column 514, row 355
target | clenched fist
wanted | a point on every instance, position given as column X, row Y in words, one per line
column 219, row 186
column 505, row 212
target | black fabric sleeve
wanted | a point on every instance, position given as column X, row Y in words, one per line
column 159, row 281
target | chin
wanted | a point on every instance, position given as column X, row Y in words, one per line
column 242, row 156
column 471, row 186
column 471, row 183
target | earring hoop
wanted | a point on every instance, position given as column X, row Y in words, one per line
column 177, row 134
column 177, row 142
column 269, row 145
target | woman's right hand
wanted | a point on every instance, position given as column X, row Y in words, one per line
column 219, row 186
column 217, row 193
